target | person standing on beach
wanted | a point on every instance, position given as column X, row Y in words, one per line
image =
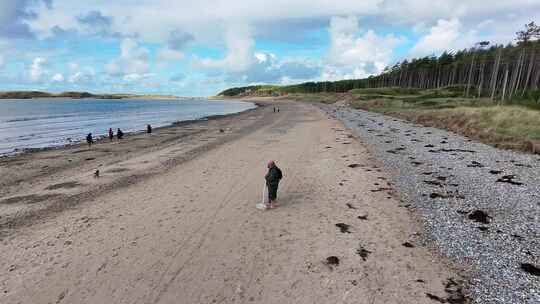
column 89, row 140
column 272, row 178
column 148, row 129
column 119, row 133
column 111, row 134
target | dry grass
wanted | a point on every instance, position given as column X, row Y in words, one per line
column 327, row 98
column 512, row 126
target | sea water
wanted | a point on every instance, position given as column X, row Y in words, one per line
column 47, row 122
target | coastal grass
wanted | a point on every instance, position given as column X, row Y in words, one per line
column 515, row 125
column 326, row 98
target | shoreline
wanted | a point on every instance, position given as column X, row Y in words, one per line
column 22, row 171
column 447, row 180
column 102, row 138
column 174, row 211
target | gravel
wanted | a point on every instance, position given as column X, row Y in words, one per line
column 480, row 206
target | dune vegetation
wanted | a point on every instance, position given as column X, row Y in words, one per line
column 514, row 125
column 488, row 92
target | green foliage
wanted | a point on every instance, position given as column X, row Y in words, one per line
column 387, row 91
column 474, row 67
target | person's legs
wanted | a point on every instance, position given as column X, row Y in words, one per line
column 272, row 195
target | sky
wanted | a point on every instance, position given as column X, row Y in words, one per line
column 198, row 48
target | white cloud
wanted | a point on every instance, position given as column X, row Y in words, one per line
column 133, row 59
column 86, row 75
column 58, row 77
column 137, row 77
column 446, row 35
column 239, row 50
column 167, row 54
column 354, row 51
column 360, row 54
column 37, row 69
column 439, row 37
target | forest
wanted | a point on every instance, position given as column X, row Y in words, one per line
column 499, row 72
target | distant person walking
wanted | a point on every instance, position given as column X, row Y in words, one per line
column 272, row 178
column 148, row 129
column 111, row 134
column 89, row 140
column 119, row 133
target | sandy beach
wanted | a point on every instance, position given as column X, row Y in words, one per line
column 172, row 219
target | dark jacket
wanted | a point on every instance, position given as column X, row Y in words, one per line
column 89, row 138
column 273, row 176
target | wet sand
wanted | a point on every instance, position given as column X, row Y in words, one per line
column 172, row 218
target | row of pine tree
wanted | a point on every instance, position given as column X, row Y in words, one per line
column 495, row 71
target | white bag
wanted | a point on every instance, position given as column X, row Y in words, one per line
column 262, row 204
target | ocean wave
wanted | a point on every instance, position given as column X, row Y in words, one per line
column 22, row 119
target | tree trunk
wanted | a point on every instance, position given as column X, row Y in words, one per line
column 529, row 72
column 504, row 84
column 495, row 74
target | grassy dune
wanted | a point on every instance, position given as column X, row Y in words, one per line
column 327, row 98
column 515, row 125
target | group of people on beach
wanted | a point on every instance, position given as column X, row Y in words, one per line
column 272, row 177
column 119, row 135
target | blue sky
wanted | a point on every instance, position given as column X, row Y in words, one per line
column 199, row 48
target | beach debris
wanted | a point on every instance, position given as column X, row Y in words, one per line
column 353, row 165
column 363, row 253
column 363, row 217
column 433, row 183
column 455, row 292
column 332, row 260
column 350, row 206
column 435, row 298
column 420, row 281
column 61, row 296
column 96, row 174
column 475, row 164
column 479, row 216
column 381, row 189
column 509, row 179
column 495, row 172
column 344, row 228
column 452, row 150
column 434, row 195
column 530, row 269
column 408, row 245
column 416, row 163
